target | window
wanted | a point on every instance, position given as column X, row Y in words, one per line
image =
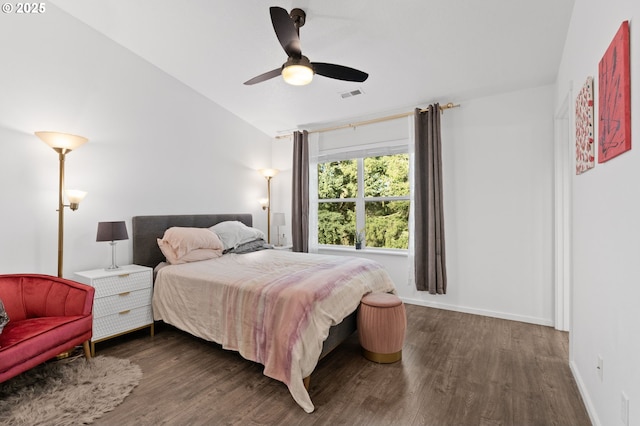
column 367, row 193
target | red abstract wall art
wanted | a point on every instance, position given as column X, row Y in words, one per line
column 585, row 150
column 614, row 98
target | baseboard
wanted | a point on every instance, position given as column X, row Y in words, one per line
column 585, row 395
column 483, row 312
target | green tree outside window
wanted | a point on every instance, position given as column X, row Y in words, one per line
column 381, row 191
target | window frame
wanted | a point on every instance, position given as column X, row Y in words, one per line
column 360, row 200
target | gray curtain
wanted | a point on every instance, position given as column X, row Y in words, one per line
column 300, row 196
column 430, row 264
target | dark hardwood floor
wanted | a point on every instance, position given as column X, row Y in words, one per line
column 457, row 369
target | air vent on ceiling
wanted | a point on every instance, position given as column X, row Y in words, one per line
column 351, row 93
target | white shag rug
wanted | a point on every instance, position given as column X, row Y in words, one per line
column 67, row 392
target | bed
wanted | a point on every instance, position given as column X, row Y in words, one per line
column 281, row 309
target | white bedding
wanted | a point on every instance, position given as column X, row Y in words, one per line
column 274, row 307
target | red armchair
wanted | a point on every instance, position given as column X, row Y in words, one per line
column 47, row 316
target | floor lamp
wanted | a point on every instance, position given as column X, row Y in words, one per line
column 266, row 204
column 63, row 143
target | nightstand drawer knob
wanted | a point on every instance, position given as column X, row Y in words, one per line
column 123, row 275
column 126, row 293
column 125, row 312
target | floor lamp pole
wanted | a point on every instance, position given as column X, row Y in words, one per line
column 269, row 209
column 268, row 174
column 61, row 154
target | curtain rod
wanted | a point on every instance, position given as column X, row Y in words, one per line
column 376, row 120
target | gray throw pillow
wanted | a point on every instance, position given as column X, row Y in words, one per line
column 4, row 318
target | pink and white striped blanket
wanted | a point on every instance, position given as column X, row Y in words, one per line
column 272, row 306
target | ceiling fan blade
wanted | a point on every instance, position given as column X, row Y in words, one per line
column 262, row 77
column 339, row 72
column 285, row 31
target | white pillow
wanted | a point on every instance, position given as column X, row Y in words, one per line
column 232, row 233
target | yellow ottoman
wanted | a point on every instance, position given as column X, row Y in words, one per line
column 382, row 322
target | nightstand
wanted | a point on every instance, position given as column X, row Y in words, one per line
column 285, row 248
column 122, row 301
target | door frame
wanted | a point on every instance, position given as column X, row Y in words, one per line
column 563, row 172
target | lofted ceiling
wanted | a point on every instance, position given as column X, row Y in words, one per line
column 416, row 52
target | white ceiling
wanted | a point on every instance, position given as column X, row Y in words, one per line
column 416, row 52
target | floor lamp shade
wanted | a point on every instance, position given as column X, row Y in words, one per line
column 62, row 141
column 112, row 232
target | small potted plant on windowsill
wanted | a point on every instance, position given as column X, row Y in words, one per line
column 359, row 239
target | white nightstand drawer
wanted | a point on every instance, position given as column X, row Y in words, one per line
column 122, row 301
column 117, row 284
column 125, row 320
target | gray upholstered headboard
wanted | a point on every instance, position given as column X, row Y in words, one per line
column 147, row 229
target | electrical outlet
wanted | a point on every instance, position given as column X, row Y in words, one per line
column 600, row 367
column 624, row 409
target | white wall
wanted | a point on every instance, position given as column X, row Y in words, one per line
column 155, row 146
column 498, row 182
column 498, row 177
column 605, row 229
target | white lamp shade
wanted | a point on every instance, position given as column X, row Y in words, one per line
column 75, row 196
column 278, row 219
column 269, row 173
column 264, row 202
column 58, row 140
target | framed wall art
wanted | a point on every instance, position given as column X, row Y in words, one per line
column 585, row 149
column 614, row 98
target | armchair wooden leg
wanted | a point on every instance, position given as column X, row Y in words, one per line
column 87, row 350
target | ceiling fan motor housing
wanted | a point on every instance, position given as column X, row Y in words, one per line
column 299, row 17
column 302, row 61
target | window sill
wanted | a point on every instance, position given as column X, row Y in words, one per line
column 366, row 250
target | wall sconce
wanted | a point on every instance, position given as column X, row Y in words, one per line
column 63, row 143
column 266, row 204
column 278, row 221
column 112, row 232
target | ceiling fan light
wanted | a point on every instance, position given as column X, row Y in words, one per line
column 297, row 75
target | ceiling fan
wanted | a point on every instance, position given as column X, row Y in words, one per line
column 298, row 70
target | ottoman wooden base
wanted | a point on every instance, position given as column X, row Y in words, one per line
column 382, row 358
